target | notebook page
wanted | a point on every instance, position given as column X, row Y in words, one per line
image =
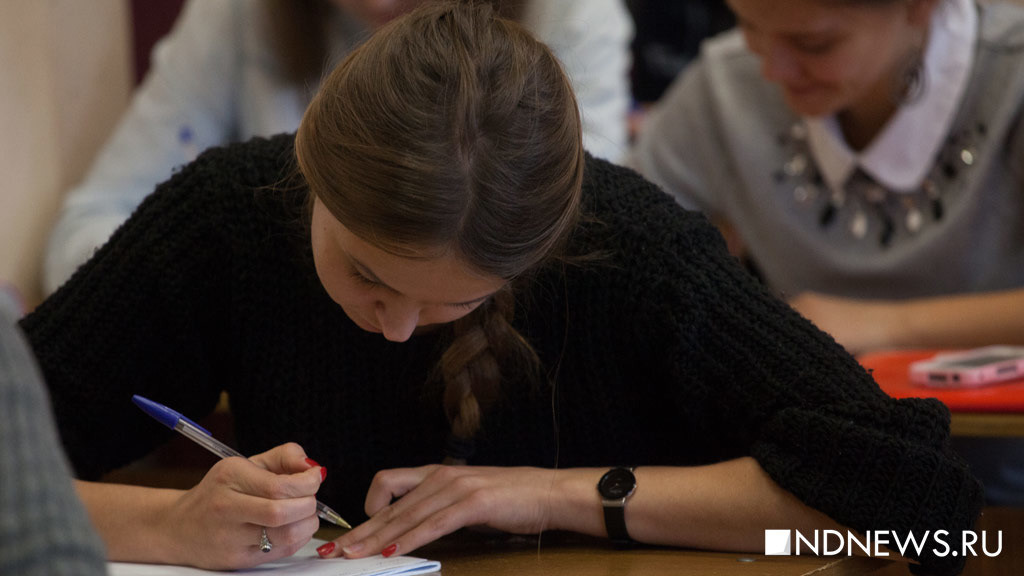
column 305, row 561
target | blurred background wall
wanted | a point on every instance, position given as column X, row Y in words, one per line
column 65, row 76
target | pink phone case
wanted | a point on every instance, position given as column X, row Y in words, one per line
column 978, row 367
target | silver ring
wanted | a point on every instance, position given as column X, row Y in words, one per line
column 265, row 544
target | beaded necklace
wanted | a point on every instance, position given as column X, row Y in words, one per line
column 863, row 206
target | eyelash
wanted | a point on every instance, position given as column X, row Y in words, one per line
column 362, row 279
column 367, row 282
column 814, row 48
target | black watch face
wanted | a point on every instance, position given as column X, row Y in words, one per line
column 617, row 483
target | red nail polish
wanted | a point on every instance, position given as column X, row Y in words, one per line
column 389, row 550
column 323, row 473
column 312, row 463
column 325, row 549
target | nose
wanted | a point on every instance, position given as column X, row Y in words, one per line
column 397, row 320
column 777, row 63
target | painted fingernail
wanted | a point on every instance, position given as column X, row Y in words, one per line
column 312, row 463
column 325, row 549
column 323, row 473
column 389, row 550
column 352, row 549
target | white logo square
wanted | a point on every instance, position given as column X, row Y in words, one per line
column 777, row 543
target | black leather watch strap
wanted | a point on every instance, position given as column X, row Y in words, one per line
column 615, row 524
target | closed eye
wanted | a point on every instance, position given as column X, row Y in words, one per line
column 365, row 280
column 813, row 46
column 358, row 277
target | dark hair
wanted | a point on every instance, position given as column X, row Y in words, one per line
column 299, row 31
column 453, row 131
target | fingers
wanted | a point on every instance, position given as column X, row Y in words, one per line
column 435, row 501
column 242, row 475
column 403, row 529
column 287, row 458
column 291, row 459
column 388, row 485
column 285, row 540
column 219, row 525
column 245, row 547
column 220, row 520
column 264, row 498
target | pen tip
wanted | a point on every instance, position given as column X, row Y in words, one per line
column 333, row 517
column 341, row 522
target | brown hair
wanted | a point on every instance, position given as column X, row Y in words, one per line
column 453, row 131
column 298, row 31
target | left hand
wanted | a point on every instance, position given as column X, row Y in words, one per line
column 436, row 500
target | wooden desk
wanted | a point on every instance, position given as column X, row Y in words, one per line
column 1011, row 561
column 987, row 424
column 471, row 554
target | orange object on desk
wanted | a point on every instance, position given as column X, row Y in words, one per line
column 892, row 372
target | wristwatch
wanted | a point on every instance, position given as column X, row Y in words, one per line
column 615, row 487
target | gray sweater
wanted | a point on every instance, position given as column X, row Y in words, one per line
column 44, row 530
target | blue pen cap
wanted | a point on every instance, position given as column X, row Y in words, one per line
column 162, row 413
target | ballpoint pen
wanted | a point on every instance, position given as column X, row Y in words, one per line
column 174, row 420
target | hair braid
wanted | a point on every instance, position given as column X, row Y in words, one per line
column 471, row 368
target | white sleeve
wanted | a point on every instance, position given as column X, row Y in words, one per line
column 591, row 38
column 186, row 104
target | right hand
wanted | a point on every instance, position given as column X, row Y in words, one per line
column 216, row 524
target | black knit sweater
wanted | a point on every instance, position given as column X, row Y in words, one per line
column 661, row 351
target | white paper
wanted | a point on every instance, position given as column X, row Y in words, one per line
column 305, row 561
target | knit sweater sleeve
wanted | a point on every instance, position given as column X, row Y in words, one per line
column 149, row 312
column 756, row 376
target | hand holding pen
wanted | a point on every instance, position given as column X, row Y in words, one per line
column 281, row 527
column 201, row 436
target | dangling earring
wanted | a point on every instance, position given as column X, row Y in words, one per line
column 915, row 79
column 910, row 84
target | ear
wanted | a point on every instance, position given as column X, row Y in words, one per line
column 919, row 12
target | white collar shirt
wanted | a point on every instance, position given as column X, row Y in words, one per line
column 902, row 154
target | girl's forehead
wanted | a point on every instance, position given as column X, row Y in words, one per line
column 808, row 16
